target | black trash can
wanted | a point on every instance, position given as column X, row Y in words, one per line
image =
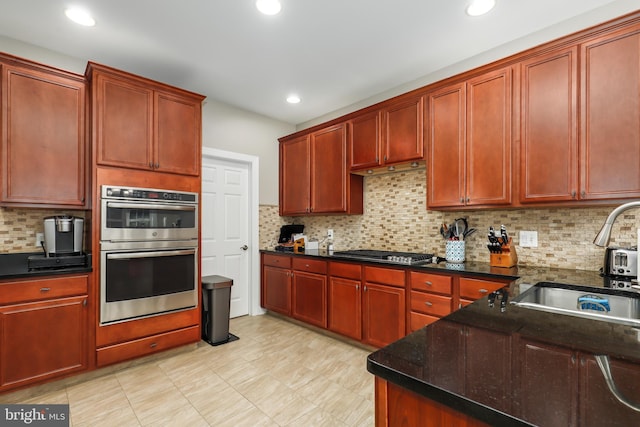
column 216, row 301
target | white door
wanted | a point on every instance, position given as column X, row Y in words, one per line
column 225, row 227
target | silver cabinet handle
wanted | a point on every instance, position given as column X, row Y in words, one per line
column 428, row 283
column 45, row 289
column 483, row 291
column 428, row 304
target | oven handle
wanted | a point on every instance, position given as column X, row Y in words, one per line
column 153, row 254
column 150, row 206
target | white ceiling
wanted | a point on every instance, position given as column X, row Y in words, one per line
column 333, row 53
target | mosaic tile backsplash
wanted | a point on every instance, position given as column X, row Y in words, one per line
column 396, row 218
column 18, row 228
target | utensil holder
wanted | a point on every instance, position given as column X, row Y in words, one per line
column 455, row 251
column 506, row 258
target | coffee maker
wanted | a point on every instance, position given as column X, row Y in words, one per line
column 63, row 235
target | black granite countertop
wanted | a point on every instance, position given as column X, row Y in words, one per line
column 15, row 266
column 519, row 274
column 478, row 360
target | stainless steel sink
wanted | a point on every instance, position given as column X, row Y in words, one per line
column 604, row 304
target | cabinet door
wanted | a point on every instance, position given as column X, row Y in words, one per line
column 365, row 141
column 383, row 313
column 551, row 372
column 488, row 155
column 310, row 298
column 610, row 116
column 123, row 116
column 43, row 138
column 294, row 176
column 42, row 340
column 598, row 406
column 329, row 170
column 447, row 140
column 549, row 145
column 276, row 287
column 177, row 136
column 345, row 307
column 403, row 134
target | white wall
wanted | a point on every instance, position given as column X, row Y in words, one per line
column 608, row 12
column 223, row 126
column 231, row 129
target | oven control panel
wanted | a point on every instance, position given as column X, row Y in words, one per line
column 147, row 194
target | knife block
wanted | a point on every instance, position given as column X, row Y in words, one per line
column 506, row 258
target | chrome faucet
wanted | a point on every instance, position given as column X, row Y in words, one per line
column 602, row 239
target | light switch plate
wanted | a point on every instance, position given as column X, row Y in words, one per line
column 529, row 239
column 39, row 239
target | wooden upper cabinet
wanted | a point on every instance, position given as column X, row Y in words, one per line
column 295, row 179
column 402, row 131
column 488, row 156
column 365, row 141
column 44, row 152
column 388, row 136
column 470, row 142
column 447, row 141
column 314, row 176
column 178, row 128
column 141, row 124
column 610, row 116
column 329, row 170
column 123, row 122
column 549, row 117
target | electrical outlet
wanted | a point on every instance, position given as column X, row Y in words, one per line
column 529, row 239
column 39, row 239
column 330, row 233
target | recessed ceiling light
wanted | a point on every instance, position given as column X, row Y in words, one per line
column 80, row 16
column 480, row 7
column 269, row 7
column 293, row 99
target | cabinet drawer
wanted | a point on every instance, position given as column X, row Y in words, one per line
column 431, row 283
column 386, row 276
column 310, row 265
column 436, row 305
column 141, row 347
column 474, row 289
column 277, row 260
column 41, row 289
column 419, row 320
column 346, row 270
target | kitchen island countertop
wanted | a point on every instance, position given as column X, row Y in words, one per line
column 518, row 367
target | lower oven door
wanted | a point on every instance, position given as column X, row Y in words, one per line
column 139, row 283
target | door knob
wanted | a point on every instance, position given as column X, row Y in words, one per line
column 244, row 248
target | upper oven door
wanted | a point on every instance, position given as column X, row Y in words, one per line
column 143, row 221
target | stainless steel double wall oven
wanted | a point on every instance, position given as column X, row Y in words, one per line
column 148, row 252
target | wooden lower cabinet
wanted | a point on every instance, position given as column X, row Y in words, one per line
column 147, row 345
column 42, row 340
column 383, row 306
column 44, row 331
column 310, row 298
column 397, row 406
column 345, row 299
column 276, row 287
column 345, row 307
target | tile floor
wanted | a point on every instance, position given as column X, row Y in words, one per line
column 277, row 374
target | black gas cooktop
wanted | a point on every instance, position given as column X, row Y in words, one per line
column 391, row 257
